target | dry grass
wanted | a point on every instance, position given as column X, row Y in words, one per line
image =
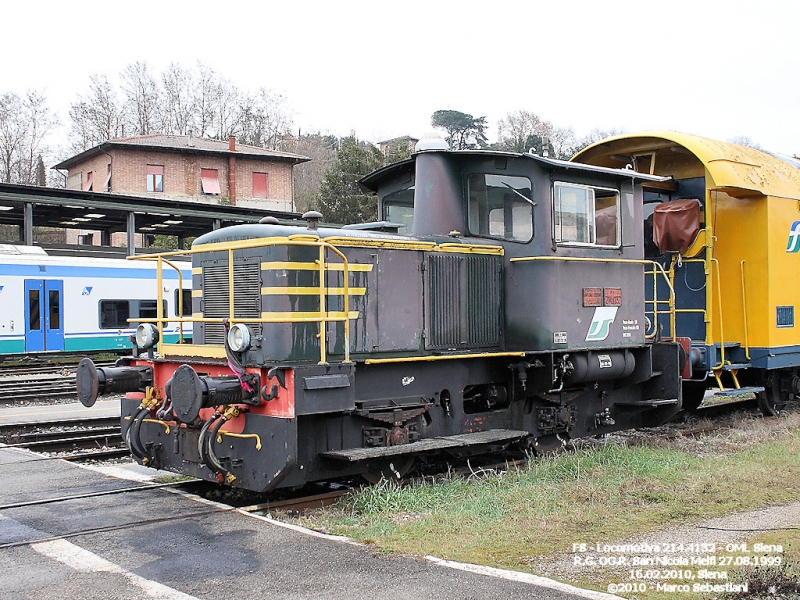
column 602, row 491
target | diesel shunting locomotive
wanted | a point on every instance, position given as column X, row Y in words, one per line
column 500, row 301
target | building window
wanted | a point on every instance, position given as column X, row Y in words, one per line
column 585, row 215
column 260, row 185
column 155, row 178
column 86, row 239
column 89, row 181
column 209, row 181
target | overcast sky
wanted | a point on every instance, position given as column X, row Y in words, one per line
column 719, row 69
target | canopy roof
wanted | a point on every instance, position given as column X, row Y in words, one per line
column 739, row 170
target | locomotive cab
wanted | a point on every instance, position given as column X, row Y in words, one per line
column 506, row 309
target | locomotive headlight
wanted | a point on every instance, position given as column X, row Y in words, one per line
column 146, row 335
column 239, row 337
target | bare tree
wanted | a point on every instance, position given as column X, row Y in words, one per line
column 174, row 102
column 205, row 99
column 142, row 99
column 25, row 122
column 13, row 130
column 178, row 104
column 97, row 117
column 264, row 121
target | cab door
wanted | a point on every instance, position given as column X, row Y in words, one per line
column 44, row 319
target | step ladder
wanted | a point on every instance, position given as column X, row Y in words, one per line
column 737, row 390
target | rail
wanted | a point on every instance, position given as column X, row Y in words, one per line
column 322, row 316
column 657, row 269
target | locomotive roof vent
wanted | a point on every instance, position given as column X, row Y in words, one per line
column 431, row 141
column 313, row 217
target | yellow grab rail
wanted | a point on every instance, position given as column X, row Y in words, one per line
column 322, row 316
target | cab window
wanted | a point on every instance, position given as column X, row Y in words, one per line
column 585, row 215
column 398, row 207
column 500, row 206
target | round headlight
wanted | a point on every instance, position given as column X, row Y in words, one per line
column 146, row 335
column 239, row 337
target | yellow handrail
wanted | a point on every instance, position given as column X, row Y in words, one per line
column 322, row 316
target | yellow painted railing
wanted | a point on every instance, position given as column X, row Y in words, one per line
column 322, row 316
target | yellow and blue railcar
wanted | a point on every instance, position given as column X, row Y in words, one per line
column 733, row 263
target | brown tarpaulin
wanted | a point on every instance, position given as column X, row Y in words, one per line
column 676, row 224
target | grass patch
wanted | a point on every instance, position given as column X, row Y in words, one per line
column 596, row 494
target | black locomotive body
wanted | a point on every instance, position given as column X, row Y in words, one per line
column 500, row 301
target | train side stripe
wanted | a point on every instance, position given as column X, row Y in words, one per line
column 45, row 271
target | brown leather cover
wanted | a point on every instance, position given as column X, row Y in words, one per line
column 676, row 224
column 605, row 221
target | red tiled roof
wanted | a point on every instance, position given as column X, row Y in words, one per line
column 183, row 143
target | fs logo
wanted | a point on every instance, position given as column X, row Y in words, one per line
column 794, row 237
column 86, row 291
column 600, row 326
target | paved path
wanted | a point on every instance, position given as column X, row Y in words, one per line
column 161, row 543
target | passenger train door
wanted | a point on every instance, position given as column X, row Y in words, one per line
column 44, row 318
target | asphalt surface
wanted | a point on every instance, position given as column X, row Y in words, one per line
column 163, row 543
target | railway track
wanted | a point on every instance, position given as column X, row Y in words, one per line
column 91, row 439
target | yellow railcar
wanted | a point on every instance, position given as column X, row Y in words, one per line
column 736, row 285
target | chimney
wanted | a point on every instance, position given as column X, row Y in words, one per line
column 190, row 141
column 232, row 144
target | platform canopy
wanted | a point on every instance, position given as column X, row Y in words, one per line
column 27, row 206
column 741, row 171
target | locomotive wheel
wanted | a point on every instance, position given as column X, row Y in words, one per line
column 693, row 393
column 771, row 402
column 392, row 470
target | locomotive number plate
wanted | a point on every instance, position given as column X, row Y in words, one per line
column 593, row 296
column 613, row 297
column 559, row 337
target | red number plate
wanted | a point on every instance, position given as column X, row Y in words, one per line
column 613, row 297
column 593, row 296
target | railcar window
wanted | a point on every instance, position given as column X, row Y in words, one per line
column 114, row 314
column 585, row 215
column 186, row 300
column 398, row 207
column 500, row 206
column 148, row 309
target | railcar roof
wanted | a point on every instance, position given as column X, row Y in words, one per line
column 739, row 169
column 372, row 181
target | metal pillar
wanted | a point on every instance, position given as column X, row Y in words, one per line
column 217, row 224
column 105, row 237
column 181, row 241
column 28, row 224
column 131, row 234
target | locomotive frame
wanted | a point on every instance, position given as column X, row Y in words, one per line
column 512, row 314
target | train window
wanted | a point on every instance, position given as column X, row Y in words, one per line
column 186, row 302
column 500, row 206
column 114, row 314
column 34, row 317
column 585, row 215
column 54, row 301
column 398, row 207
